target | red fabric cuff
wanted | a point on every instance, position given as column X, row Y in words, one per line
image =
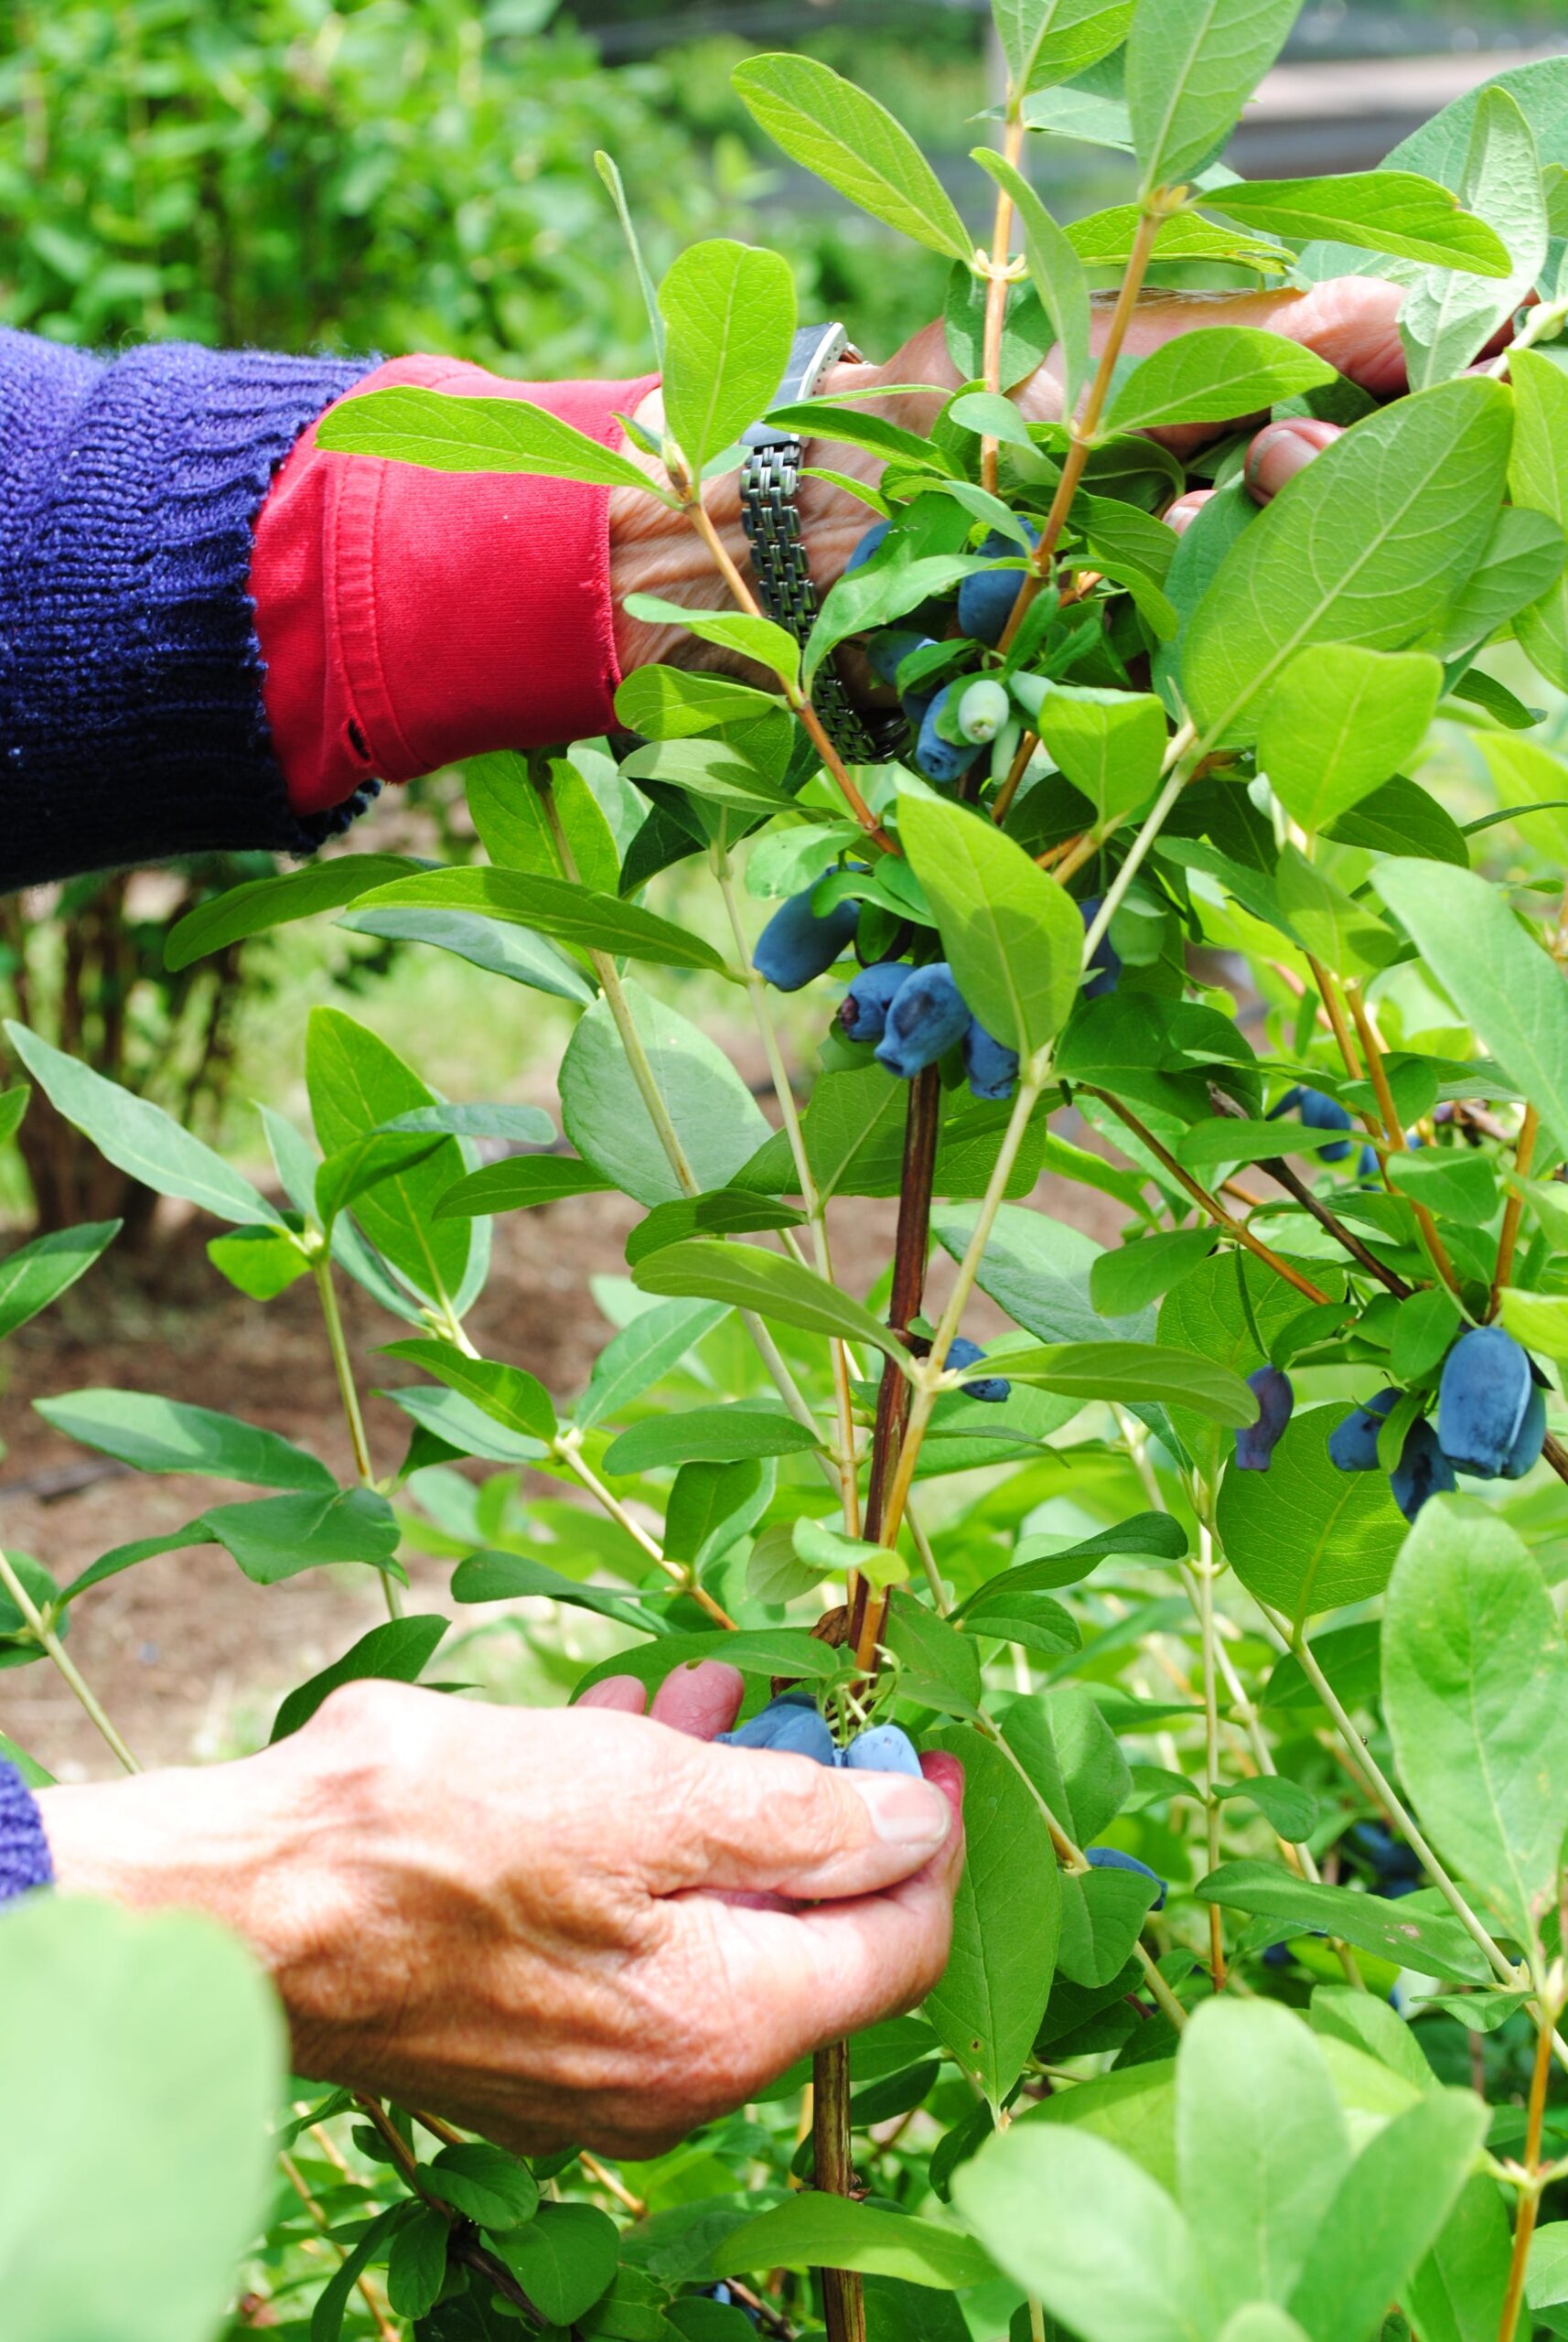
column 409, row 617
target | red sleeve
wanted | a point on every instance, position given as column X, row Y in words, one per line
column 408, row 617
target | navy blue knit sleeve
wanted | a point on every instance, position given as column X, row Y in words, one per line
column 132, row 727
column 23, row 1849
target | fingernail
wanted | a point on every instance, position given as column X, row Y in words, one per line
column 1278, row 453
column 904, row 1812
column 1186, row 510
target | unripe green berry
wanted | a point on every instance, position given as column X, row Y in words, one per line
column 984, row 710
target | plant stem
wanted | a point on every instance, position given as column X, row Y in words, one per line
column 1530, row 2196
column 1394, row 1129
column 1205, row 1571
column 1328, row 993
column 832, row 2163
column 1177, row 751
column 383, row 2326
column 567, row 1449
column 50, row 1643
column 343, row 1368
column 1280, row 1170
column 1524, row 1155
column 997, row 279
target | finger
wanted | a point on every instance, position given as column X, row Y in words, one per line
column 1181, row 515
column 767, row 1822
column 1283, row 449
column 623, row 1692
column 1353, row 322
column 699, row 1700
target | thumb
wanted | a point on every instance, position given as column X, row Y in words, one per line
column 758, row 1820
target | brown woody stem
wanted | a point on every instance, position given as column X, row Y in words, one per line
column 1524, row 1155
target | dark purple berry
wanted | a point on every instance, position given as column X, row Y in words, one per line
column 883, row 1749
column 992, row 1070
column 1482, row 1400
column 1526, row 1450
column 796, row 945
column 1422, row 1471
column 941, row 760
column 1113, row 1858
column 985, row 598
column 928, row 1017
column 991, row 1389
column 863, row 1013
column 1353, row 1444
column 1107, row 960
column 1255, row 1442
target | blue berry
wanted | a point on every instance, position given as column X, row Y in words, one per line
column 1107, row 960
column 939, row 759
column 863, row 1013
column 1256, row 1443
column 991, row 1389
column 992, row 1070
column 927, row 1017
column 1526, row 1450
column 1390, row 1859
column 883, row 1749
column 796, row 945
column 985, row 598
column 1422, row 1471
column 1320, row 1112
column 791, row 1725
column 868, row 544
column 1113, row 1858
column 887, row 651
column 1482, row 1400
column 1353, row 1444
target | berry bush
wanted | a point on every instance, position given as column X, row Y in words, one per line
column 1228, row 1567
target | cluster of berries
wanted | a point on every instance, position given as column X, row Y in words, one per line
column 1490, row 1423
column 793, row 1724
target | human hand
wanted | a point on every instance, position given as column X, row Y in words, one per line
column 525, row 1919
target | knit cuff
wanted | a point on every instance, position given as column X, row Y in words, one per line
column 23, row 1849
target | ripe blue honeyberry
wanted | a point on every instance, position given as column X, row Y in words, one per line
column 866, row 546
column 863, row 1011
column 992, row 1070
column 939, row 759
column 1394, row 1866
column 1113, row 1858
column 927, row 1015
column 1353, row 1444
column 1320, row 1112
column 1482, row 1400
column 1256, row 1443
column 991, row 1388
column 885, row 652
column 883, row 1749
column 985, row 599
column 791, row 1725
column 983, row 709
column 1107, row 959
column 796, row 945
column 1422, row 1471
column 1526, row 1449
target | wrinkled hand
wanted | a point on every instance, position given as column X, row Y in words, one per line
column 560, row 1927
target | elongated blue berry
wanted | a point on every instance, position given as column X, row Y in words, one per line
column 1482, row 1399
column 939, row 759
column 1526, row 1449
column 885, row 652
column 863, row 1011
column 927, row 1017
column 796, row 945
column 788, row 1724
column 1256, row 1443
column 883, row 1749
column 1113, row 1858
column 866, row 546
column 991, row 1388
column 985, row 599
column 1353, row 1444
column 1422, row 1471
column 992, row 1070
column 1107, row 960
column 1321, row 1112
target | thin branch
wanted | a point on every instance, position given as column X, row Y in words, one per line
column 65, row 1666
column 1524, row 1155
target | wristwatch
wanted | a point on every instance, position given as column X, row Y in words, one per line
column 771, row 519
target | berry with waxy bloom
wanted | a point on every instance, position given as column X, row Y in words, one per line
column 927, row 1017
column 796, row 945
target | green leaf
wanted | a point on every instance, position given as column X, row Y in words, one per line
column 1035, row 1268
column 1503, row 985
column 936, row 1667
column 1135, row 1374
column 728, row 1435
column 1106, row 240
column 1464, row 1187
column 1053, row 40
column 641, row 1354
column 1389, row 2211
column 1401, row 818
column 1424, row 1326
column 332, row 2301
column 461, row 1425
column 1069, row 1753
column 1523, row 558
column 1538, row 1320
column 1055, row 269
column 446, row 432
column 349, row 1173
column 814, row 2230
column 260, row 1262
column 1366, row 545
column 724, row 1212
column 768, row 1651
column 416, row 2265
column 398, row 1652
column 1447, row 316
column 519, row 1125
column 1110, row 745
column 1304, row 1536
column 137, row 1136
column 1379, row 211
column 36, row 1273
column 1457, row 2294
column 1012, row 936
column 1476, row 1694
column 712, row 1506
column 1537, row 479
column 153, row 1434
column 1082, row 2229
column 521, row 958
column 489, row 1576
column 1103, row 1917
column 485, row 2184
column 1213, row 375
column 1006, row 1919
column 563, row 2259
column 750, row 637
column 1191, row 65
column 709, row 768
column 1290, row 1810
column 276, row 1537
column 1335, row 928
column 1135, row 1274
column 263, row 903
column 875, row 595
column 717, row 1119
column 512, row 810
column 729, row 316
column 833, row 129
column 746, row 1277
column 32, row 1772
column 1430, row 1941
column 519, row 1183
column 140, row 2061
column 356, row 1085
column 827, row 1552
column 557, row 906
column 1338, row 720
column 1528, row 776
column 13, row 1109
column 508, row 1394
